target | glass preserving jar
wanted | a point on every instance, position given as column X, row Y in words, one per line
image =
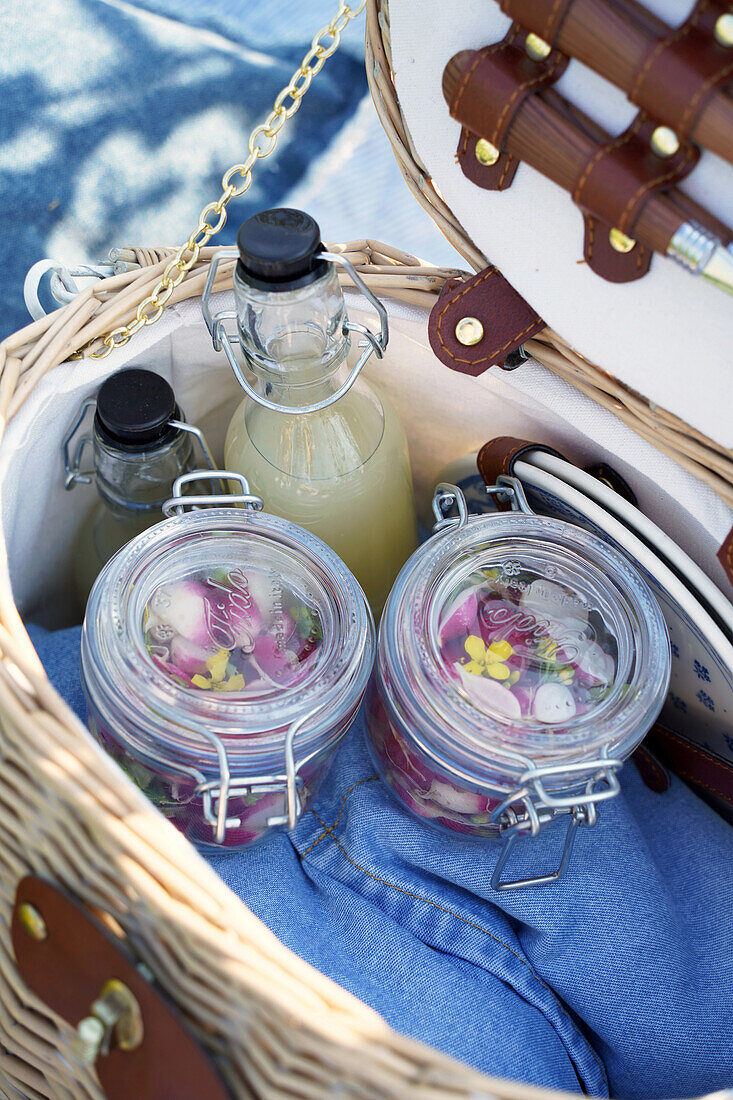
column 520, row 661
column 225, row 653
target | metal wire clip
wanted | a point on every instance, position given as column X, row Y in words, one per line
column 538, row 805
column 374, row 343
column 447, row 496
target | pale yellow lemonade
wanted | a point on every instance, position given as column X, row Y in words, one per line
column 343, row 472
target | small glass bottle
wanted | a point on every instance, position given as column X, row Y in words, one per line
column 342, row 471
column 138, row 455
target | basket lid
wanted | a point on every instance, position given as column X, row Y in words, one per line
column 663, row 335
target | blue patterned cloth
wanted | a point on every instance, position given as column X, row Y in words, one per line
column 117, row 121
column 616, row 981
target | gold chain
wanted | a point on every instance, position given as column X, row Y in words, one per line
column 262, row 142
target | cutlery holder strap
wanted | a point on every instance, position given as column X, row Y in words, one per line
column 622, row 175
column 682, row 69
column 497, row 457
column 705, row 771
column 544, row 17
column 488, row 97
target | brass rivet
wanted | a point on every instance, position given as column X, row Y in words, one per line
column 486, row 153
column 537, row 48
column 469, row 331
column 724, row 29
column 664, row 142
column 32, row 922
column 620, row 241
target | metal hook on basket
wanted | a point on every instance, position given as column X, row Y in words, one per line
column 62, row 284
column 374, row 343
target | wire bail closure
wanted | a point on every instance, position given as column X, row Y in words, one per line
column 73, row 473
column 539, row 806
column 447, row 496
column 373, row 343
column 216, row 793
column 177, row 504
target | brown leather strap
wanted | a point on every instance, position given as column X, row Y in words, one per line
column 503, row 315
column 548, row 14
column 725, row 555
column 497, row 457
column 602, row 257
column 682, row 69
column 622, row 174
column 706, row 771
column 498, row 80
column 491, row 177
column 651, row 770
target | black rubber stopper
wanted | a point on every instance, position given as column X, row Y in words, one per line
column 278, row 249
column 134, row 408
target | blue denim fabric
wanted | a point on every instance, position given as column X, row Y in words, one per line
column 616, row 981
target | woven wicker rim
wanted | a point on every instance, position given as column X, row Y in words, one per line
column 699, row 454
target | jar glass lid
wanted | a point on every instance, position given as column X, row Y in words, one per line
column 521, row 636
column 228, row 619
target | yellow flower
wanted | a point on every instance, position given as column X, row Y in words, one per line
column 488, row 661
column 547, row 650
column 217, row 666
column 234, row 683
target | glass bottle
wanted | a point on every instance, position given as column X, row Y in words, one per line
column 341, row 471
column 137, row 457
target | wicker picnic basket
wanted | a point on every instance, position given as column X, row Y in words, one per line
column 271, row 1025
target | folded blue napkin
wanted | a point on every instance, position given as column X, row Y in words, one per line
column 618, row 980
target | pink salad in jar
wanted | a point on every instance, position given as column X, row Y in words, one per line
column 519, row 659
column 207, row 640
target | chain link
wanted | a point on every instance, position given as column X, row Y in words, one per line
column 262, row 143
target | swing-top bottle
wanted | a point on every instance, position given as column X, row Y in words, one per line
column 342, row 470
